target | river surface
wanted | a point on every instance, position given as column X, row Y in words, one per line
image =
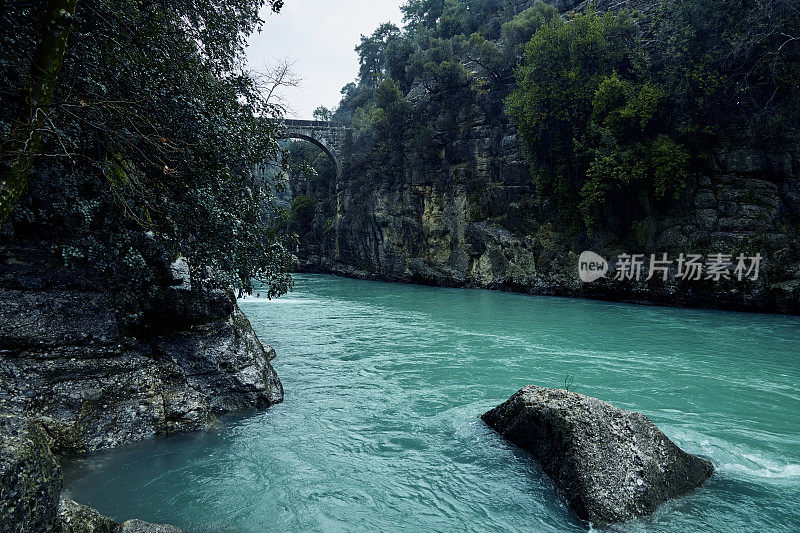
column 379, row 431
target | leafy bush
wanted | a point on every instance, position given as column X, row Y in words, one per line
column 565, row 66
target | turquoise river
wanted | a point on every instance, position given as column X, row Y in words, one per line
column 379, row 431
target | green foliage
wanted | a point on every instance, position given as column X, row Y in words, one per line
column 624, row 107
column 302, row 214
column 488, row 56
column 613, row 110
column 611, row 122
column 388, row 118
column 518, row 31
column 565, row 65
column 732, row 66
column 398, row 53
column 323, row 113
column 625, row 148
column 669, row 162
column 372, row 54
column 438, row 68
column 422, row 12
column 153, row 133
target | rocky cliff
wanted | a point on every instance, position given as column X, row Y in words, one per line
column 470, row 216
column 71, row 379
column 473, row 222
column 441, row 193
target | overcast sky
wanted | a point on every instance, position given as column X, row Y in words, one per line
column 320, row 37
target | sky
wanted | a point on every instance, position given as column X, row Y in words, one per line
column 319, row 36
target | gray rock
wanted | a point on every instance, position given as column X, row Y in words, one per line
column 743, row 161
column 705, row 199
column 611, row 465
column 77, row 518
column 66, row 362
column 137, row 526
column 30, row 478
column 705, row 219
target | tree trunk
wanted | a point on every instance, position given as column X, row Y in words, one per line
column 26, row 137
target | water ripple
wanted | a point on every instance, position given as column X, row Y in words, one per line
column 380, row 430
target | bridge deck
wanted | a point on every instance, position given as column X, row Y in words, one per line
column 292, row 123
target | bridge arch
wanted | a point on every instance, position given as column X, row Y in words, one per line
column 328, row 136
column 316, row 142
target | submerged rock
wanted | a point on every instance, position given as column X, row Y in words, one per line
column 611, row 465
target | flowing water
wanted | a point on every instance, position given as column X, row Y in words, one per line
column 384, row 383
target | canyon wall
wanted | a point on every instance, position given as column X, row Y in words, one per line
column 472, row 219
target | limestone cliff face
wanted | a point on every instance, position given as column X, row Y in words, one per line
column 65, row 362
column 473, row 220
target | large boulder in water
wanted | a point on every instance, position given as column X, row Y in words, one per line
column 611, row 465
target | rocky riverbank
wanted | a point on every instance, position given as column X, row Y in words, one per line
column 31, row 484
column 71, row 381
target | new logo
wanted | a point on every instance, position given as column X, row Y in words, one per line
column 591, row 267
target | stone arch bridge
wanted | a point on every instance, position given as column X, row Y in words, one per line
column 328, row 136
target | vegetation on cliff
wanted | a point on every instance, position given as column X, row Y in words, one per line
column 144, row 145
column 614, row 109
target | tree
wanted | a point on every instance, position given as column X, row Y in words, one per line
column 488, row 57
column 302, row 214
column 732, row 66
column 323, row 113
column 26, row 139
column 271, row 79
column 372, row 54
column 518, row 31
column 152, row 131
column 563, row 67
column 596, row 125
column 422, row 12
